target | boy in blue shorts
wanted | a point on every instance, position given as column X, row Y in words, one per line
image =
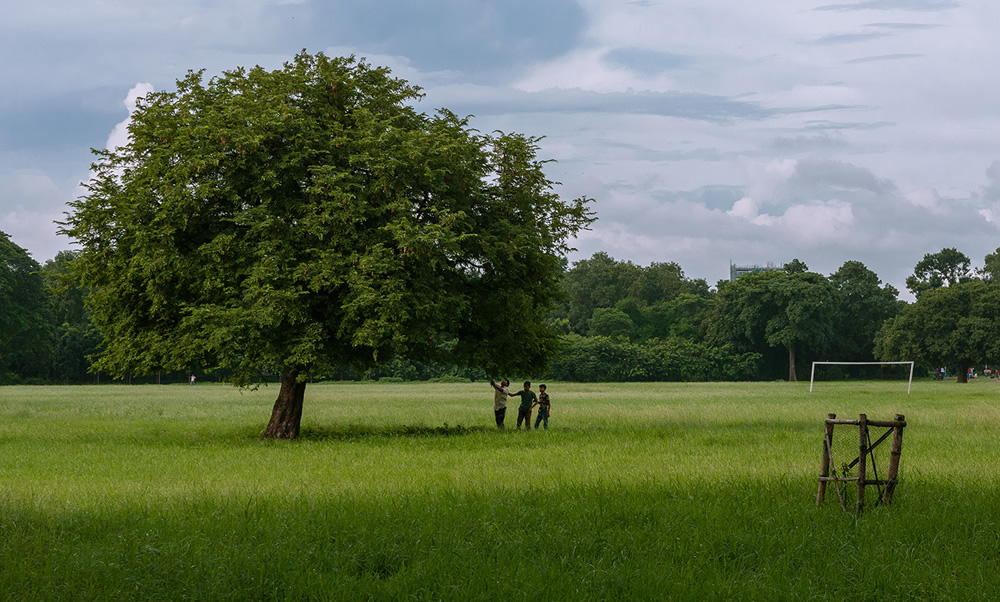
column 544, row 407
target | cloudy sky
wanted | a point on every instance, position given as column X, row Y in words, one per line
column 707, row 131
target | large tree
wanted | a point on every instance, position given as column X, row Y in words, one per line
column 946, row 267
column 777, row 310
column 74, row 336
column 594, row 283
column 863, row 304
column 795, row 266
column 991, row 267
column 24, row 323
column 664, row 282
column 954, row 327
column 643, row 293
column 297, row 220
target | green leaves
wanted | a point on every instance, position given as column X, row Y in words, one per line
column 791, row 311
column 944, row 268
column 954, row 326
column 24, row 324
column 309, row 217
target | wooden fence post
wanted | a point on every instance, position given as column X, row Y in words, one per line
column 862, row 457
column 824, row 470
column 897, row 449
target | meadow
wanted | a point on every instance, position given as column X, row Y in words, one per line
column 407, row 491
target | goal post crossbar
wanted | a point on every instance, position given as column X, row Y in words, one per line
column 812, row 376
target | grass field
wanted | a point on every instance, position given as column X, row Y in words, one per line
column 406, row 491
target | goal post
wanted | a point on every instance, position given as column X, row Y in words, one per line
column 909, row 384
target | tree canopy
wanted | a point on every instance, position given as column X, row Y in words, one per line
column 658, row 300
column 74, row 337
column 954, row 327
column 991, row 267
column 24, row 327
column 788, row 311
column 863, row 304
column 944, row 268
column 308, row 217
column 795, row 266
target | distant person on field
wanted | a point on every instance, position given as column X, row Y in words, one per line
column 544, row 407
column 191, row 380
column 528, row 400
column 500, row 400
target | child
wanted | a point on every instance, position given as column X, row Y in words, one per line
column 544, row 407
column 500, row 401
column 528, row 401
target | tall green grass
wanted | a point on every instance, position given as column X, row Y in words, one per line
column 406, row 491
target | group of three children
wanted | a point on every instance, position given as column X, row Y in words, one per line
column 528, row 401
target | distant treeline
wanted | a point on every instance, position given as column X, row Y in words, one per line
column 620, row 322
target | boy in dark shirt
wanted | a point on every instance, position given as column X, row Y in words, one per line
column 528, row 400
column 544, row 407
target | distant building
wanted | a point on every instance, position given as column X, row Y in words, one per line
column 735, row 271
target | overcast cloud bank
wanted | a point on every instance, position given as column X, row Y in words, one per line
column 708, row 132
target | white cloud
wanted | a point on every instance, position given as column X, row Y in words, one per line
column 817, row 95
column 34, row 187
column 621, row 237
column 586, row 70
column 765, row 220
column 781, row 168
column 706, row 130
column 403, row 68
column 927, row 198
column 765, row 182
column 991, row 191
column 34, row 204
column 818, row 223
column 746, row 208
column 119, row 135
column 34, row 231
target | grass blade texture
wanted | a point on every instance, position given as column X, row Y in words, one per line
column 407, row 491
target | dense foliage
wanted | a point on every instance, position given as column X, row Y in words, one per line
column 954, row 327
column 691, row 336
column 624, row 328
column 46, row 333
column 309, row 217
column 305, row 218
column 606, row 359
column 778, row 310
column 24, row 323
column 944, row 268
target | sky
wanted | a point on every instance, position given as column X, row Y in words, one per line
column 708, row 132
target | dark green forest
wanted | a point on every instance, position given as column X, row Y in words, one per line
column 618, row 322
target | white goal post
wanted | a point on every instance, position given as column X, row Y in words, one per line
column 812, row 376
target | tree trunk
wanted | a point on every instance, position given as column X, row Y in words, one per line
column 287, row 412
column 791, row 364
column 963, row 374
